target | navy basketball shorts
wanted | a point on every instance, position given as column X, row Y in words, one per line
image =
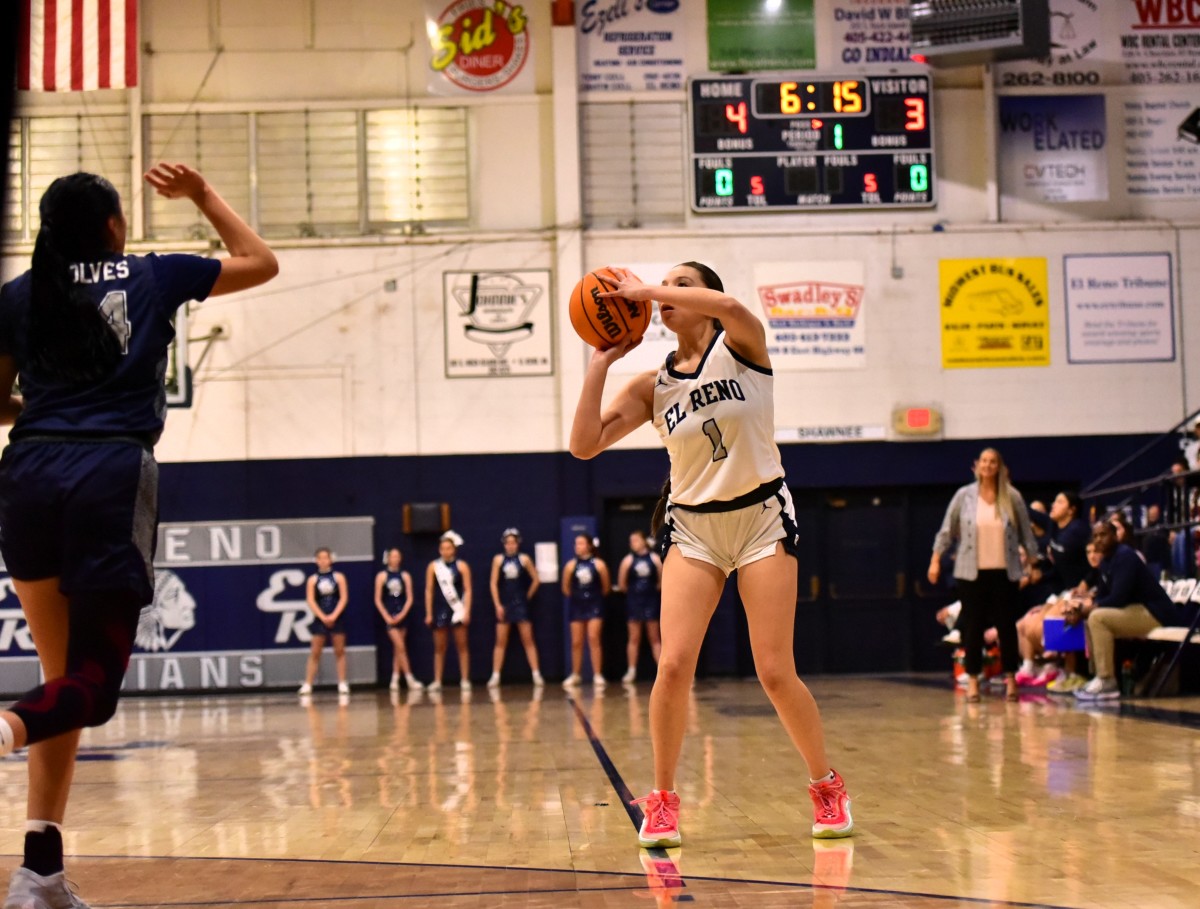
column 643, row 608
column 731, row 539
column 85, row 512
column 584, row 610
column 515, row 612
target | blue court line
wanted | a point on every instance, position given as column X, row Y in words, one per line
column 614, row 775
column 618, row 783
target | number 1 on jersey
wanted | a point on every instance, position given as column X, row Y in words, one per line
column 713, row 431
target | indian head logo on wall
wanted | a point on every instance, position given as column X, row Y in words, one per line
column 478, row 46
column 173, row 612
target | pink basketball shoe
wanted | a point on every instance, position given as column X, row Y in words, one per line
column 660, row 824
column 831, row 808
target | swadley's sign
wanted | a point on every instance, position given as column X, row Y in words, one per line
column 229, row 609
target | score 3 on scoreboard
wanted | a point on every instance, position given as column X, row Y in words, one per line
column 807, row 142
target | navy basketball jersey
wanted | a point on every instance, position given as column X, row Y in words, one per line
column 513, row 581
column 585, row 580
column 326, row 591
column 394, row 592
column 642, row 578
column 138, row 295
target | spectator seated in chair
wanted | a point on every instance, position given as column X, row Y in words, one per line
column 1129, row 602
column 1037, row 670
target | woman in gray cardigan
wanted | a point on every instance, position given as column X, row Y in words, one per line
column 989, row 522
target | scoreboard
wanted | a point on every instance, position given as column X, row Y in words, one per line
column 808, row 142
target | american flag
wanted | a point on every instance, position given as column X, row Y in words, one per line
column 77, row 45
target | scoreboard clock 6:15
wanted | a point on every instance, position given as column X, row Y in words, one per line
column 808, row 141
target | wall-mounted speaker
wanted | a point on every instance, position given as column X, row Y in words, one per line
column 967, row 32
column 426, row 517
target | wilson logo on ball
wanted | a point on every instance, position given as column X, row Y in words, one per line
column 604, row 322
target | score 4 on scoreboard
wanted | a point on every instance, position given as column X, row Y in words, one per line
column 806, row 142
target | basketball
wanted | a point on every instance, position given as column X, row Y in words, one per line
column 604, row 322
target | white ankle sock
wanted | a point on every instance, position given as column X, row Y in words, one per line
column 1029, row 666
column 828, row 778
column 41, row 826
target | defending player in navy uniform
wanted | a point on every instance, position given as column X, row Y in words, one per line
column 327, row 595
column 585, row 583
column 513, row 583
column 88, row 329
column 726, row 508
column 639, row 577
column 448, row 606
column 394, row 599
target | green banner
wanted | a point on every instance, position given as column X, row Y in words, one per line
column 746, row 35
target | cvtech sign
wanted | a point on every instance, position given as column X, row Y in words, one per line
column 480, row 45
column 1168, row 13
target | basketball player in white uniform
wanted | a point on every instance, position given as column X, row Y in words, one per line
column 727, row 508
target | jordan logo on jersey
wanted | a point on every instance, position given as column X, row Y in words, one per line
column 700, row 397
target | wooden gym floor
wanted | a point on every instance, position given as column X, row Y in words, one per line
column 451, row 802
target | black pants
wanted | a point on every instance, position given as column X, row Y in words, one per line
column 991, row 599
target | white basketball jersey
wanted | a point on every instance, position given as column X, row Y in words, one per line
column 718, row 424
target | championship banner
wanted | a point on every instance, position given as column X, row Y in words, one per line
column 744, row 37
column 1113, row 42
column 994, row 313
column 814, row 313
column 863, row 33
column 624, row 48
column 229, row 610
column 478, row 46
column 1053, row 148
column 498, row 324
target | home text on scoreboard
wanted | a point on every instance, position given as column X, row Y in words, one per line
column 807, row 142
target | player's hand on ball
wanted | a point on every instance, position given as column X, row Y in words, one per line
column 629, row 285
column 610, row 355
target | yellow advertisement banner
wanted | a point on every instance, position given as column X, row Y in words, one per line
column 994, row 313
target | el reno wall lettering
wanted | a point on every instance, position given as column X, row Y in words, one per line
column 229, row 609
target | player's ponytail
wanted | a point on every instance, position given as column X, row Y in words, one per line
column 69, row 339
column 660, row 509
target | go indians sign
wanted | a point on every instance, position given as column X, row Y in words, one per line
column 479, row 45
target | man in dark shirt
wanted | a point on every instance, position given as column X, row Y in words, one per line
column 1128, row 603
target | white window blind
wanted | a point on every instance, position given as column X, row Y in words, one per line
column 217, row 145
column 64, row 145
column 308, row 167
column 14, row 204
column 633, row 164
column 417, row 166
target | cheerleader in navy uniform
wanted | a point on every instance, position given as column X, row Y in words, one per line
column 394, row 599
column 88, row 328
column 513, row 583
column 448, row 606
column 585, row 582
column 639, row 578
column 726, row 508
column 327, row 596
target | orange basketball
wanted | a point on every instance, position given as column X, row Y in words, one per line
column 604, row 322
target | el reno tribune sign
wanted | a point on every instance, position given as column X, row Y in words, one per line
column 229, row 610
